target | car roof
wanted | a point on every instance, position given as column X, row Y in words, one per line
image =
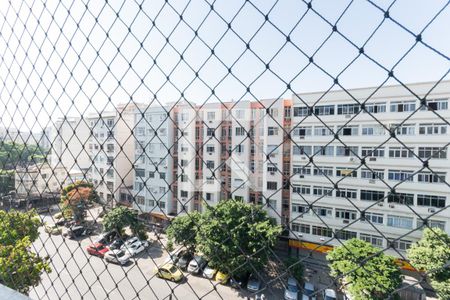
column 309, row 286
column 292, row 281
column 330, row 293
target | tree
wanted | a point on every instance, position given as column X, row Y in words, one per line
column 366, row 272
column 120, row 217
column 76, row 197
column 6, row 181
column 431, row 254
column 13, row 155
column 20, row 268
column 235, row 236
column 183, row 229
column 295, row 268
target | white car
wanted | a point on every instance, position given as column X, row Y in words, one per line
column 309, row 290
column 117, row 256
column 134, row 248
column 291, row 291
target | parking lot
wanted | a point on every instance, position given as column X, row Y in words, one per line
column 78, row 275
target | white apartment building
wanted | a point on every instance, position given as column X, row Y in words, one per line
column 153, row 162
column 111, row 148
column 370, row 173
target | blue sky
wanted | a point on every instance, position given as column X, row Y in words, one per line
column 74, row 78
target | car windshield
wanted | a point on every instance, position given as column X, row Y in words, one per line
column 308, row 292
column 100, row 247
column 329, row 298
column 293, row 288
column 120, row 254
column 173, row 269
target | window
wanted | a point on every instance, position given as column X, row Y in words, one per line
column 431, row 224
column 373, row 130
column 184, row 178
column 322, row 231
column 209, row 180
column 140, row 131
column 110, row 122
column 348, row 109
column 433, row 129
column 239, row 113
column 162, row 175
column 437, row 177
column 162, row 190
column 324, row 150
column 347, row 193
column 345, row 214
column 372, row 174
column 346, row 151
column 272, row 168
column 324, row 110
column 303, row 228
column 375, row 240
column 110, row 147
column 272, row 149
column 240, row 148
column 210, row 148
column 183, row 194
column 301, row 111
column 431, row 200
column 322, row 131
column 301, row 170
column 403, row 106
column 210, row 131
column 345, row 172
column 375, row 108
column 401, row 152
column 402, row 245
column 404, row 129
column 140, row 172
column 368, row 195
column 209, row 197
column 432, row 152
column 438, row 104
column 323, row 171
column 301, row 189
column 272, row 131
column 372, row 152
column 400, row 175
column 140, row 200
column 323, row 211
column 345, row 234
column 299, row 208
column 303, row 131
column 138, row 186
column 322, row 191
column 399, row 222
column 240, row 131
column 401, row 198
column 348, row 130
column 210, row 164
column 151, row 174
column 210, row 115
column 271, row 185
column 301, row 150
column 372, row 217
column 272, row 203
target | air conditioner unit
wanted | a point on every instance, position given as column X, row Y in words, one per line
column 183, row 199
column 391, row 206
column 431, row 210
column 302, row 137
column 348, row 116
column 351, row 159
column 372, row 159
column 303, row 157
column 272, row 173
column 301, row 176
column 345, row 221
column 380, row 204
column 371, row 180
column 210, row 153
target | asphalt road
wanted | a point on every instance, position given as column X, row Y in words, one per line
column 77, row 275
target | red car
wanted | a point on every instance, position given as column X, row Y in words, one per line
column 97, row 249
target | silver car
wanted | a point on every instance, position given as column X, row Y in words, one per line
column 117, row 256
column 196, row 265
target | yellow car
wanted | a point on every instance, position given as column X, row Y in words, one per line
column 222, row 277
column 170, row 272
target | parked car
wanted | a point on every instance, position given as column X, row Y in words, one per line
column 106, row 237
column 253, row 284
column 131, row 240
column 196, row 265
column 173, row 256
column 97, row 249
column 53, row 229
column 170, row 272
column 209, row 272
column 116, row 244
column 222, row 277
column 309, row 290
column 184, row 260
column 77, row 231
column 135, row 248
column 117, row 256
column 291, row 291
column 239, row 281
column 329, row 294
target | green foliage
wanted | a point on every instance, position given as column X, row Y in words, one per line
column 6, row 181
column 235, row 236
column 183, row 229
column 295, row 268
column 169, row 245
column 14, row 154
column 76, row 197
column 20, row 268
column 378, row 277
column 120, row 217
column 431, row 254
